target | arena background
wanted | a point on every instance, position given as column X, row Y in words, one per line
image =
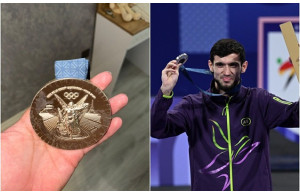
column 193, row 29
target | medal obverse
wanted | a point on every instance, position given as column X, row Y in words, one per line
column 70, row 114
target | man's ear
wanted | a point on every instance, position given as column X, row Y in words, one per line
column 244, row 67
column 210, row 65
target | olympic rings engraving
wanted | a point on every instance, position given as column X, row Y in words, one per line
column 71, row 95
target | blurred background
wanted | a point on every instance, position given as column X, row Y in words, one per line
column 193, row 29
column 34, row 36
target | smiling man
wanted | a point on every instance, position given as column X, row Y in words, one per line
column 227, row 62
column 228, row 134
column 227, row 71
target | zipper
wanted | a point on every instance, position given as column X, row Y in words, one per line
column 229, row 144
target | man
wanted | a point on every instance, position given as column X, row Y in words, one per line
column 228, row 135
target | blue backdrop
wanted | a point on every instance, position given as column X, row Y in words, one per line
column 173, row 23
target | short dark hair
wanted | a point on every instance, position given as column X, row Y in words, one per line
column 225, row 47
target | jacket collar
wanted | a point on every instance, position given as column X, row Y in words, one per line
column 237, row 94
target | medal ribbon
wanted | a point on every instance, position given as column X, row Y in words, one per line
column 185, row 71
column 75, row 68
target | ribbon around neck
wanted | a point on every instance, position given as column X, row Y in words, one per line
column 185, row 71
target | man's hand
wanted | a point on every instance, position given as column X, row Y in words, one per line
column 169, row 77
column 28, row 163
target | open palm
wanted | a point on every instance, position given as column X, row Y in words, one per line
column 28, row 163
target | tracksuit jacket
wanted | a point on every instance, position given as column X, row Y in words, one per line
column 228, row 136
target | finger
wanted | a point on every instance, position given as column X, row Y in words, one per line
column 115, row 125
column 178, row 65
column 102, row 80
column 118, row 102
column 170, row 71
column 174, row 66
column 172, row 63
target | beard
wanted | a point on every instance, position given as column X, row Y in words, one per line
column 226, row 89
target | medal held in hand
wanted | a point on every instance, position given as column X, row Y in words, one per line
column 69, row 112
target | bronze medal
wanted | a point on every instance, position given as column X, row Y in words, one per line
column 70, row 114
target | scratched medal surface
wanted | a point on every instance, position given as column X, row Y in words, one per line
column 70, row 114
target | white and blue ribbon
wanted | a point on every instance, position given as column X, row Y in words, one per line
column 75, row 68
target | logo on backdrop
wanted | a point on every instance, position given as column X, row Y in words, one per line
column 286, row 67
column 277, row 73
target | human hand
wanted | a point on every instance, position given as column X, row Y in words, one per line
column 169, row 77
column 28, row 163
